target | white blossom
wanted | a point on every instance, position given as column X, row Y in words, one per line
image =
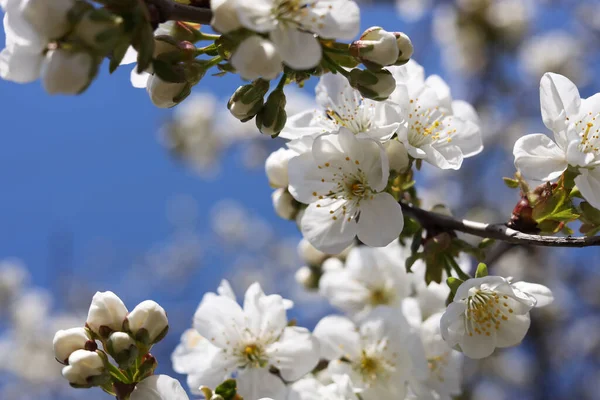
column 490, row 312
column 341, row 106
column 83, row 367
column 310, row 388
column 106, row 314
column 376, row 45
column 165, row 94
column 257, row 58
column 67, row 72
column 370, row 278
column 576, row 127
column 159, row 387
column 439, row 130
column 381, row 355
column 246, row 342
column 284, row 204
column 225, row 17
column 343, row 180
column 149, row 317
column 65, row 342
column 291, row 25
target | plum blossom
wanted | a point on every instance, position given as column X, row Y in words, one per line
column 576, row 127
column 490, row 312
column 341, row 106
column 439, row 130
column 343, row 180
column 245, row 342
column 291, row 25
column 371, row 277
column 380, row 355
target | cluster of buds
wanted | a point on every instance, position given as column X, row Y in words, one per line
column 111, row 330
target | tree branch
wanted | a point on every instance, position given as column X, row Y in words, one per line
column 168, row 10
column 494, row 231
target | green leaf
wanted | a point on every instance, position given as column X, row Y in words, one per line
column 454, row 283
column 564, row 215
column 227, row 389
column 590, row 213
column 416, row 242
column 482, row 271
column 411, row 260
column 511, row 183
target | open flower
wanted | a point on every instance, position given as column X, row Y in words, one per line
column 343, row 180
column 310, row 388
column 380, row 355
column 291, row 25
column 371, row 277
column 575, row 123
column 341, row 106
column 490, row 312
column 159, row 387
column 246, row 342
column 439, row 130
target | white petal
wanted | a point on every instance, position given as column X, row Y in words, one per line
column 329, row 235
column 381, row 220
column 306, row 123
column 226, row 290
column 334, row 19
column 539, row 158
column 559, row 99
column 589, row 186
column 338, row 337
column 211, row 368
column 20, row 65
column 256, row 383
column 159, row 387
column 218, row 319
column 542, row 294
column 513, row 331
column 256, row 14
column 295, row 354
column 305, row 179
column 299, row 50
column 441, row 89
column 468, row 139
column 139, row 80
column 130, row 57
column 343, row 291
column 478, row 346
column 266, row 315
column 444, row 157
column 454, row 312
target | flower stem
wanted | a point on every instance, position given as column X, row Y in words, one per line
column 336, row 67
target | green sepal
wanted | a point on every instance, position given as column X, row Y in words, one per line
column 482, row 271
column 227, row 389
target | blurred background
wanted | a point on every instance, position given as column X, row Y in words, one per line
column 105, row 192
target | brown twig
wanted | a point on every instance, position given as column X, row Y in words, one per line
column 168, row 10
column 431, row 220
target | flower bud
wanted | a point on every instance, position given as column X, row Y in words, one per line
column 308, row 278
column 147, row 322
column 225, row 18
column 67, row 341
column 376, row 46
column 85, row 369
column 48, row 18
column 98, row 29
column 375, row 85
column 147, row 366
column 66, row 72
column 276, row 167
column 167, row 94
column 247, row 100
column 310, row 254
column 122, row 348
column 272, row 117
column 405, row 48
column 257, row 58
column 285, row 205
column 106, row 315
column 397, row 154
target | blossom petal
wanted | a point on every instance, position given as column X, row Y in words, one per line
column 266, row 315
column 541, row 293
column 256, row 15
column 512, row 331
column 539, row 158
column 559, row 100
column 305, row 178
column 304, row 124
column 468, row 139
column 299, row 50
column 338, row 337
column 256, row 383
column 334, row 19
column 139, row 80
column 211, row 368
column 455, row 311
column 381, row 220
column 589, row 185
column 159, row 387
column 325, row 233
column 295, row 353
column 20, row 65
column 444, row 157
column 479, row 345
column 217, row 319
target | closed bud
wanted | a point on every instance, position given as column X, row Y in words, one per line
column 257, row 57
column 247, row 100
column 165, row 94
column 67, row 341
column 147, row 322
column 122, row 349
column 397, row 154
column 147, row 366
column 67, row 72
column 85, row 369
column 272, row 117
column 225, row 16
column 285, row 205
column 405, row 48
column 307, row 278
column 376, row 47
column 276, row 167
column 375, row 85
column 98, row 29
column 106, row 315
column 49, row 18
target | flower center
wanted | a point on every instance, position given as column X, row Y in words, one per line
column 380, row 296
column 373, row 366
column 588, row 129
column 437, row 365
column 253, row 356
column 486, row 311
column 356, row 120
column 428, row 125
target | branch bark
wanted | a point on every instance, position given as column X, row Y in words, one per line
column 168, row 10
column 494, row 231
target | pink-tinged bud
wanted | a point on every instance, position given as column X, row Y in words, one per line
column 376, row 47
